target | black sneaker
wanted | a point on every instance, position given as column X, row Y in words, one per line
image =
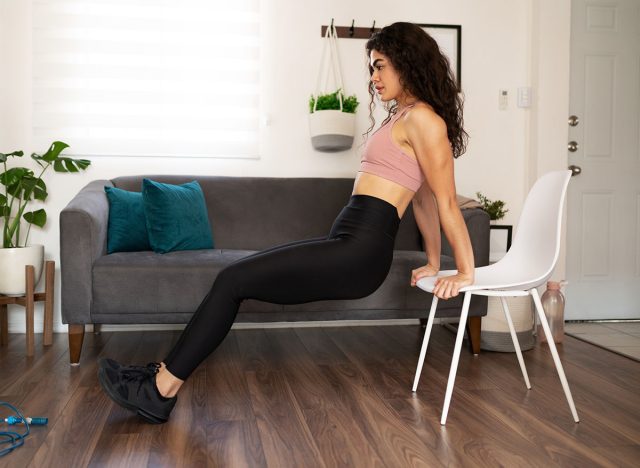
column 136, row 390
column 107, row 363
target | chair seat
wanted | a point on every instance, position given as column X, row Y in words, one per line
column 497, row 276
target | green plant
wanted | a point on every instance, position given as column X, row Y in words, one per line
column 21, row 186
column 494, row 208
column 332, row 102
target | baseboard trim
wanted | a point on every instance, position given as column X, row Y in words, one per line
column 265, row 325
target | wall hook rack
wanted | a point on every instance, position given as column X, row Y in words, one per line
column 351, row 32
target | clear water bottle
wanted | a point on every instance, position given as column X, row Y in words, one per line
column 553, row 305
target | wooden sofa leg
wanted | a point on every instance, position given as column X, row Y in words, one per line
column 475, row 326
column 76, row 337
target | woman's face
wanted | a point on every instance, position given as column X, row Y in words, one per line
column 384, row 77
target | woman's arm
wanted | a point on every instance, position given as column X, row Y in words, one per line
column 427, row 134
column 425, row 210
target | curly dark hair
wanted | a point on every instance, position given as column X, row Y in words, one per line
column 424, row 72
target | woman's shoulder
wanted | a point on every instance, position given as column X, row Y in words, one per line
column 422, row 118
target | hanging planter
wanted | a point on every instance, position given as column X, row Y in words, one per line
column 332, row 118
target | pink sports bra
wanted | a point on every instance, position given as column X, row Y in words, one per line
column 382, row 157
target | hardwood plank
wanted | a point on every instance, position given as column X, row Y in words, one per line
column 228, row 394
column 283, row 430
column 72, row 440
column 598, row 426
column 123, row 451
column 340, row 440
column 394, row 443
column 318, row 344
column 235, row 444
column 338, row 436
column 622, row 456
column 552, row 441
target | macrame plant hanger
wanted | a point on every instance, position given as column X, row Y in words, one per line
column 332, row 130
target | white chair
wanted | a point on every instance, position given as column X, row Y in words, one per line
column 528, row 264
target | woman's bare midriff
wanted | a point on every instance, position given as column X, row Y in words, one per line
column 376, row 186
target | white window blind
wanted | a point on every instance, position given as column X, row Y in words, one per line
column 147, row 77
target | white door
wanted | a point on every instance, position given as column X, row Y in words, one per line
column 603, row 206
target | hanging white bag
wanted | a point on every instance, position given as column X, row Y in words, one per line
column 331, row 130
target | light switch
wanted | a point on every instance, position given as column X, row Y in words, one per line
column 503, row 99
column 524, row 96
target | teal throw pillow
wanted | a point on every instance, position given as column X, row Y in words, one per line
column 176, row 216
column 127, row 229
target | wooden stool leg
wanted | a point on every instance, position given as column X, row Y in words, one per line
column 4, row 325
column 30, row 280
column 50, row 273
column 76, row 337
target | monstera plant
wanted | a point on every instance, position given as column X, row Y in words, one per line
column 19, row 186
column 22, row 185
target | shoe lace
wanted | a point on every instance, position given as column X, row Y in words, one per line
column 140, row 372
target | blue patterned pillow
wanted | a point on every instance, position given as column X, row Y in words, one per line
column 127, row 230
column 176, row 216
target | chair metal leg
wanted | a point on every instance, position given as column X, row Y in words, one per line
column 554, row 352
column 425, row 342
column 516, row 343
column 456, row 356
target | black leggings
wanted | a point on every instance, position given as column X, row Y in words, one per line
column 350, row 263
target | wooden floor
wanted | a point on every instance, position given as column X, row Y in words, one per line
column 329, row 397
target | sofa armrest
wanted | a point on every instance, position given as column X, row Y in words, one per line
column 477, row 221
column 83, row 239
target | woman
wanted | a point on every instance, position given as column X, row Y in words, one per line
column 410, row 158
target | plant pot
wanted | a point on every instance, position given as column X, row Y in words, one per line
column 12, row 268
column 332, row 130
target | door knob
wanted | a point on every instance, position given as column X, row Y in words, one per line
column 573, row 146
column 575, row 170
column 574, row 121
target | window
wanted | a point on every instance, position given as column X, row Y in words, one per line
column 147, row 77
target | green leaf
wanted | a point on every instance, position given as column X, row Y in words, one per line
column 3, row 200
column 3, row 156
column 64, row 164
column 39, row 217
column 53, row 152
column 34, row 187
column 14, row 175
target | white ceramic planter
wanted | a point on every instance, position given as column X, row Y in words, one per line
column 332, row 130
column 12, row 268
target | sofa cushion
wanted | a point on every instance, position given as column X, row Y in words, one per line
column 176, row 216
column 127, row 229
column 150, row 283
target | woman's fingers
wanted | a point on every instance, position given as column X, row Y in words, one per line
column 447, row 287
column 421, row 273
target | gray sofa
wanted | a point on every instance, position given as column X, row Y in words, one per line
column 246, row 214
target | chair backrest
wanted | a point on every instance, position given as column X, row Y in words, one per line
column 536, row 244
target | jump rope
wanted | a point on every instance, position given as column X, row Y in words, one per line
column 11, row 440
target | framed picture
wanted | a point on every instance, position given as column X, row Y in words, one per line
column 449, row 38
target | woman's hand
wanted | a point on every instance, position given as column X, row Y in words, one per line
column 448, row 286
column 427, row 270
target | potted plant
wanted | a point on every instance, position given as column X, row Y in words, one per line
column 332, row 121
column 18, row 187
column 495, row 209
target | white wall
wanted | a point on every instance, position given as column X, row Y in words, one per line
column 505, row 44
